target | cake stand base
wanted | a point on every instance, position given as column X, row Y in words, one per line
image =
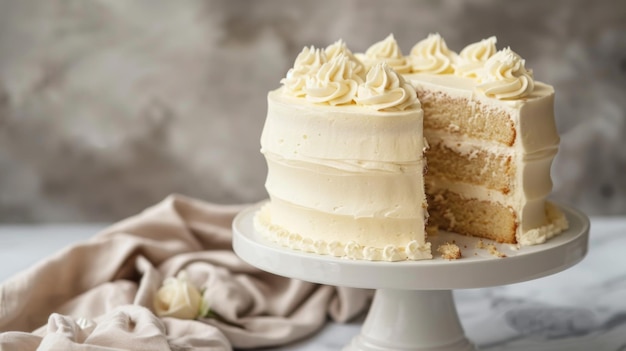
column 413, row 308
column 411, row 320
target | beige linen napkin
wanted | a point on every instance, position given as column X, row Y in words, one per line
column 98, row 295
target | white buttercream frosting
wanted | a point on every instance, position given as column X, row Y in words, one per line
column 505, row 77
column 308, row 62
column 388, row 51
column 340, row 48
column 431, row 55
column 556, row 223
column 473, row 57
column 335, row 83
column 386, row 90
column 347, row 176
column 413, row 250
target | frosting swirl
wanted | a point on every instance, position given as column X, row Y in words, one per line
column 387, row 50
column 431, row 55
column 334, row 83
column 473, row 57
column 308, row 61
column 505, row 77
column 386, row 90
column 339, row 47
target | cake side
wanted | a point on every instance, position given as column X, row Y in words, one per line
column 345, row 176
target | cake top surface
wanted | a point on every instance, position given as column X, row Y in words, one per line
column 337, row 77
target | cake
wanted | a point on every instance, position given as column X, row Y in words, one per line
column 344, row 151
column 344, row 144
column 492, row 137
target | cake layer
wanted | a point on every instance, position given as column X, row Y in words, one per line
column 347, row 189
column 530, row 126
column 478, row 167
column 377, row 232
column 266, row 223
column 459, row 115
column 299, row 130
column 451, row 211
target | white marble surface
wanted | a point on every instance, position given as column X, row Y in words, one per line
column 582, row 308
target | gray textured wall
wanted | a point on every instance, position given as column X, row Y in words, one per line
column 108, row 106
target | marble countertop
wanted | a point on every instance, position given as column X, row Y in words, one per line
column 582, row 308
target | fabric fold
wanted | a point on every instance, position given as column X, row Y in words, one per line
column 111, row 281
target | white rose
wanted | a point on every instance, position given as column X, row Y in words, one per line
column 178, row 298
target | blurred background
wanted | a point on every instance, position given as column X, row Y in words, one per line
column 106, row 107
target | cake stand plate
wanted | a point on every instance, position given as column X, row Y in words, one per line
column 413, row 308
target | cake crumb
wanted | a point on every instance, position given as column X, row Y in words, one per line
column 493, row 250
column 449, row 251
column 480, row 244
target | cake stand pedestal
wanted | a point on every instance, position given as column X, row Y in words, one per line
column 413, row 308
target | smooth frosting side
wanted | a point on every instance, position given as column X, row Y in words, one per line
column 412, row 250
column 347, row 174
column 358, row 193
column 344, row 160
column 298, row 130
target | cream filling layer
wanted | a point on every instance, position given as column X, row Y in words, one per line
column 466, row 146
column 470, row 191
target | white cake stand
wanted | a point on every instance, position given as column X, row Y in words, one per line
column 413, row 308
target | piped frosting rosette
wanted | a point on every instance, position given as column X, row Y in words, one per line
column 385, row 90
column 307, row 62
column 335, row 83
column 338, row 48
column 505, row 77
column 432, row 55
column 473, row 57
column 387, row 51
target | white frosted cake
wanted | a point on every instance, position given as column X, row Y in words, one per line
column 344, row 144
column 345, row 161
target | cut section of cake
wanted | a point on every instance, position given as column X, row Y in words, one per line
column 345, row 161
column 492, row 137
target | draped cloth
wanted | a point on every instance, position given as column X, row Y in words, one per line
column 99, row 294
